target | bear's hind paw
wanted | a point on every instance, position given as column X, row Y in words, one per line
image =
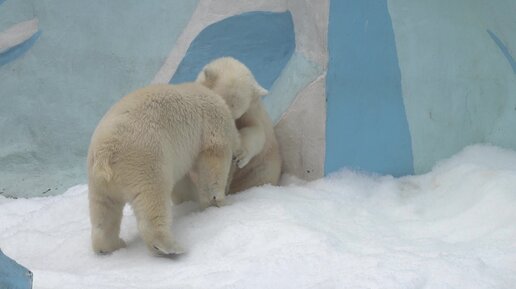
column 106, row 248
column 172, row 248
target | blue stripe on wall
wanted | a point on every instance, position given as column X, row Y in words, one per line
column 264, row 41
column 18, row 50
column 504, row 49
column 366, row 126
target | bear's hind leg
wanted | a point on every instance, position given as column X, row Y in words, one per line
column 105, row 216
column 152, row 207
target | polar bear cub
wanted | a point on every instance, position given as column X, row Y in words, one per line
column 146, row 143
column 259, row 159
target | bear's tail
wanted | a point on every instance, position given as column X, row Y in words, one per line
column 100, row 160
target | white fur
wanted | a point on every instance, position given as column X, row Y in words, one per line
column 146, row 143
column 259, row 159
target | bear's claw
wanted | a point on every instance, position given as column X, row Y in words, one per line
column 242, row 158
column 171, row 249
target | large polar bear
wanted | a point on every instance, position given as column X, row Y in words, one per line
column 143, row 145
column 258, row 161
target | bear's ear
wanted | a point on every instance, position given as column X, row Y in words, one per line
column 210, row 76
column 260, row 90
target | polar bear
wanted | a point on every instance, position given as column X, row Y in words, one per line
column 143, row 145
column 258, row 160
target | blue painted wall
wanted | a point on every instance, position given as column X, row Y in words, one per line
column 264, row 41
column 13, row 275
column 409, row 82
column 366, row 126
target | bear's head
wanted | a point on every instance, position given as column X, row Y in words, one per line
column 232, row 80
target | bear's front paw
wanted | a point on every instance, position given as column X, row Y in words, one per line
column 242, row 158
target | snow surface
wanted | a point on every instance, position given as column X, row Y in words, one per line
column 454, row 227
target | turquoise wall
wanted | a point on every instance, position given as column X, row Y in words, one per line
column 86, row 55
column 458, row 84
column 408, row 82
column 446, row 69
column 89, row 54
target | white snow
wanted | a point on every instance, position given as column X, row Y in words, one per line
column 454, row 227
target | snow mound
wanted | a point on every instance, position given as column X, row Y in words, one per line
column 454, row 227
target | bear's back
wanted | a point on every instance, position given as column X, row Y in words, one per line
column 171, row 121
column 164, row 107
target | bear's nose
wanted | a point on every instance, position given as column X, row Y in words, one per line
column 214, row 202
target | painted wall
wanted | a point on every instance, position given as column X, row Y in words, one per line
column 54, row 90
column 458, row 81
column 63, row 63
column 413, row 82
column 13, row 275
column 366, row 122
column 384, row 86
column 296, row 100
